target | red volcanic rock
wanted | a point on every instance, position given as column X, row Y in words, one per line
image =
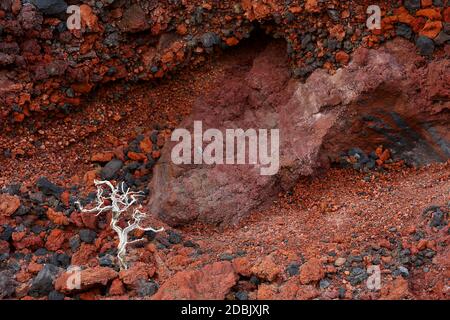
column 212, row 282
column 242, row 266
column 57, row 218
column 133, row 19
column 431, row 29
column 84, row 254
column 311, row 271
column 290, row 290
column 396, row 290
column 8, row 204
column 89, row 220
column 89, row 278
column 31, row 242
column 88, row 17
column 266, row 269
column 317, row 120
column 55, row 240
column 312, row 6
column 117, row 288
column 181, row 193
column 137, row 271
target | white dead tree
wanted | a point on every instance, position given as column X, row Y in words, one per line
column 119, row 201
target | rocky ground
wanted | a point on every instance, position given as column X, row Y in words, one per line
column 47, row 68
column 319, row 238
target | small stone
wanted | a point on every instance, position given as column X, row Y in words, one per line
column 74, row 243
column 342, row 57
column 357, row 275
column 110, row 170
column 210, row 39
column 425, row 45
column 42, row 284
column 403, row 271
column 7, row 284
column 324, row 283
column 8, row 204
column 90, row 277
column 133, row 20
column 293, row 269
column 55, row 295
column 341, row 292
column 41, row 252
column 412, row 5
column 226, row 257
column 438, row 219
column 87, row 235
column 190, row 244
column 105, row 261
column 311, row 271
column 340, row 262
column 7, row 233
column 442, row 38
column 146, row 288
column 241, row 295
column 174, row 237
column 51, row 7
column 48, row 188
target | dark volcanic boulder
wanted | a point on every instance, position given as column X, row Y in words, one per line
column 50, row 7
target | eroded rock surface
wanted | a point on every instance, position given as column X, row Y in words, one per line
column 390, row 97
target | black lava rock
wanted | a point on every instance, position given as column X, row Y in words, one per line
column 412, row 5
column 74, row 243
column 324, row 283
column 48, row 188
column 7, row 284
column 357, row 275
column 110, row 170
column 442, row 38
column 190, row 244
column 87, row 235
column 55, row 295
column 403, row 30
column 241, row 295
column 438, row 219
column 293, row 269
column 7, row 233
column 60, row 260
column 174, row 237
column 425, row 45
column 41, row 252
column 226, row 257
column 210, row 39
column 42, row 284
column 146, row 289
column 51, row 7
column 105, row 261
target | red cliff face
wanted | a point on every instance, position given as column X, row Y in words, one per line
column 44, row 67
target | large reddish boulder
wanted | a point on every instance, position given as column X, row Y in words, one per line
column 212, row 282
column 311, row 271
column 88, row 278
column 390, row 96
